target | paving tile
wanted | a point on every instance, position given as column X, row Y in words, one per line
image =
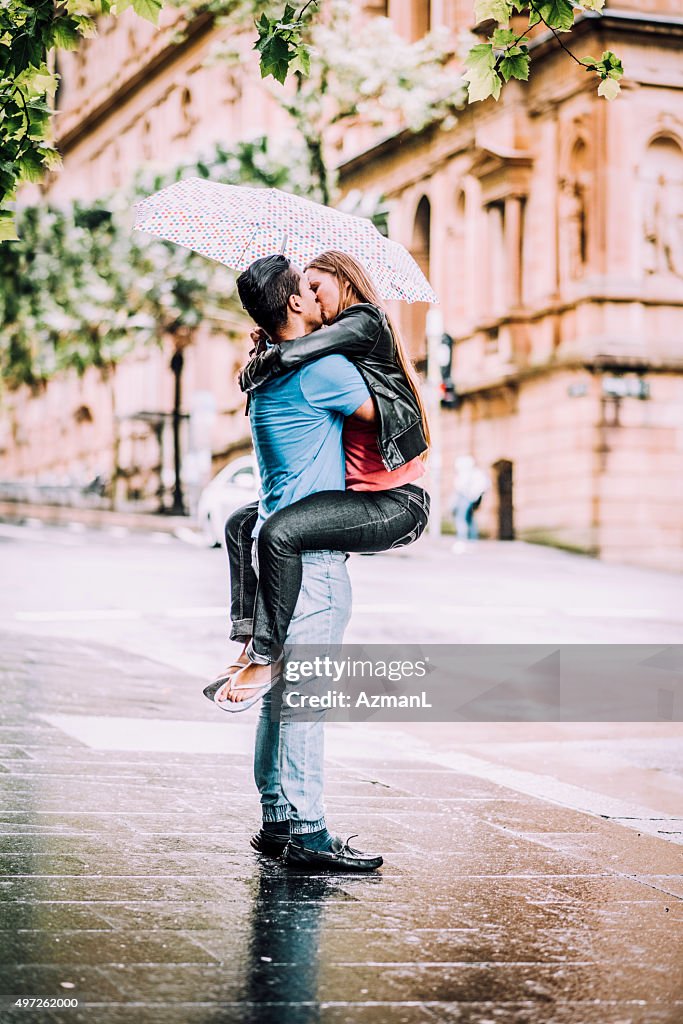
column 99, row 948
column 129, row 875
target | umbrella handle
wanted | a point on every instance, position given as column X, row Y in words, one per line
column 285, row 239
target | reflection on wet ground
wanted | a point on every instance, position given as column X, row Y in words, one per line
column 127, row 882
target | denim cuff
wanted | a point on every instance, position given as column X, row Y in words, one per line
column 303, row 828
column 280, row 812
column 241, row 629
column 258, row 659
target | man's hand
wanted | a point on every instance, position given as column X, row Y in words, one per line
column 259, row 369
column 260, row 340
column 365, row 412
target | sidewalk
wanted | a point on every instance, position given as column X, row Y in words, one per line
column 97, row 518
column 127, row 881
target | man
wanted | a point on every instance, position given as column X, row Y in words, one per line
column 297, row 425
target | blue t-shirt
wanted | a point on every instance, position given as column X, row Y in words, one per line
column 296, row 422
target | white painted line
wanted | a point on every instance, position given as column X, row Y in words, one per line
column 346, row 742
column 118, row 531
column 33, row 535
column 159, row 734
column 459, row 609
column 230, row 734
column 211, row 612
column 544, row 787
column 89, row 615
column 623, row 613
column 221, row 611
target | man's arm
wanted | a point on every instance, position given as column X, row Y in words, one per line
column 365, row 413
column 335, row 384
column 354, row 334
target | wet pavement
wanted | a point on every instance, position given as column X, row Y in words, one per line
column 127, row 881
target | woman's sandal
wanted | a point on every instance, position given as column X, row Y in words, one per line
column 261, row 690
column 241, row 705
column 212, row 689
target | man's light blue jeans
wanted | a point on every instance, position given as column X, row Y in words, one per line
column 288, row 756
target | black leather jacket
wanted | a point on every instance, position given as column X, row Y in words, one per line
column 362, row 334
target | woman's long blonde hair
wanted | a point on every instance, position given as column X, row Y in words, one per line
column 355, row 285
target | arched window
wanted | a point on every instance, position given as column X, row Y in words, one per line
column 573, row 210
column 186, row 107
column 459, row 262
column 662, row 204
column 421, row 233
column 420, row 251
column 420, row 18
column 147, row 143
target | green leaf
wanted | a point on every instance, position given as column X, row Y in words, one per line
column 589, row 61
column 276, row 57
column 52, row 159
column 558, row 13
column 65, row 33
column 8, row 229
column 26, row 52
column 31, row 166
column 609, row 88
column 504, row 37
column 266, row 28
column 302, row 60
column 148, row 9
column 591, row 5
column 498, row 10
column 482, row 78
column 14, row 125
column 86, row 27
column 515, row 65
column 44, row 83
column 612, row 62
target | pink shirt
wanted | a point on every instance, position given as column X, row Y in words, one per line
column 365, row 470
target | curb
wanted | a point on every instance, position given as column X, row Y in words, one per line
column 62, row 515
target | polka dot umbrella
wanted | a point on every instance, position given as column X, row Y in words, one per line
column 236, row 224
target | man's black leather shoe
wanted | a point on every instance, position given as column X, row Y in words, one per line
column 269, row 843
column 341, row 857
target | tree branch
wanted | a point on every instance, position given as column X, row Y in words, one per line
column 305, row 8
column 555, row 33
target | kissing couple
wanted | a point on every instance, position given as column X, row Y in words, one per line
column 341, row 437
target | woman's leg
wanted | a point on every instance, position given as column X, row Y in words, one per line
column 327, row 521
column 243, row 580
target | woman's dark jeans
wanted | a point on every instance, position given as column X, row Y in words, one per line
column 327, row 521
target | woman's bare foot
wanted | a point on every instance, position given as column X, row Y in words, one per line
column 241, row 659
column 245, row 682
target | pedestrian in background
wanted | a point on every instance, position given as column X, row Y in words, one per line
column 471, row 484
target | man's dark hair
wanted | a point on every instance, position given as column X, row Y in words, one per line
column 264, row 289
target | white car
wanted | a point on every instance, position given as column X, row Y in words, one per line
column 237, row 484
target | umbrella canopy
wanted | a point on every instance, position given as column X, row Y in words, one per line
column 236, row 224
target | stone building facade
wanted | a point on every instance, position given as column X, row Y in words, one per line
column 550, row 224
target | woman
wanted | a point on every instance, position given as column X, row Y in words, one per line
column 382, row 507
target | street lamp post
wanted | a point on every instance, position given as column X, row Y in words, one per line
column 177, row 360
column 434, row 337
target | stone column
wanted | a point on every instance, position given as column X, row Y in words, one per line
column 513, row 250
